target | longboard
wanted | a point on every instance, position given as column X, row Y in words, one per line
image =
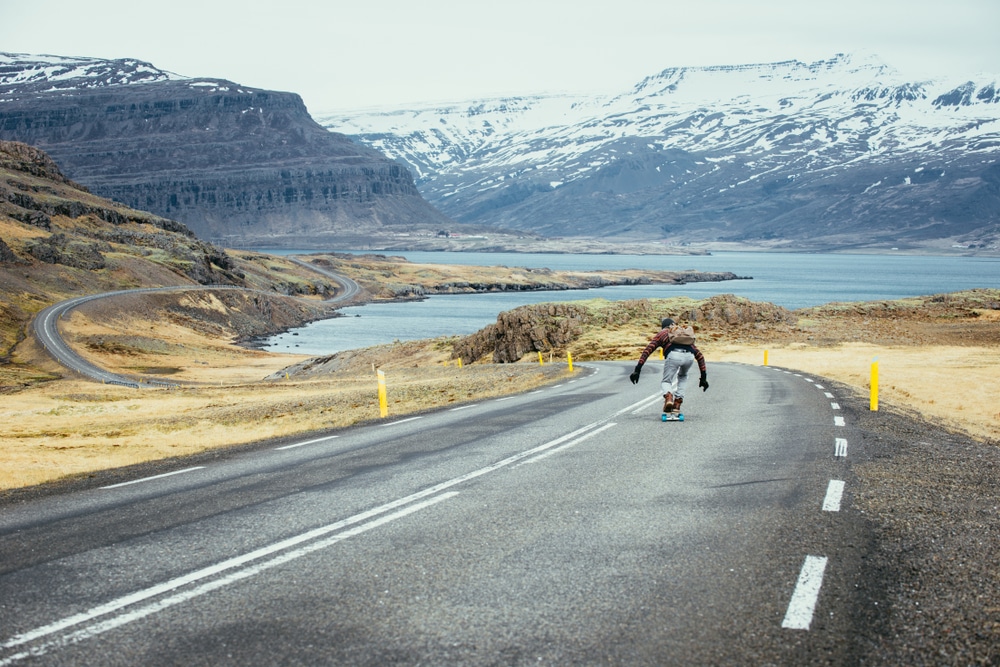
column 673, row 417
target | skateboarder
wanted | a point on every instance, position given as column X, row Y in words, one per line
column 679, row 354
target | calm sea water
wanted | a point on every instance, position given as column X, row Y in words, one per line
column 789, row 280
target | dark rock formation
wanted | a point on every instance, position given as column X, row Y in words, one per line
column 237, row 165
column 553, row 326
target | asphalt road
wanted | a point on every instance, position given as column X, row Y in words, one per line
column 46, row 325
column 563, row 526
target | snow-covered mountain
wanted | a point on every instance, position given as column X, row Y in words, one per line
column 836, row 153
column 21, row 73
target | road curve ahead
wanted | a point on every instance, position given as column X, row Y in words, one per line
column 46, row 325
column 567, row 525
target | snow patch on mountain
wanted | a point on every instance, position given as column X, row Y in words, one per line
column 685, row 133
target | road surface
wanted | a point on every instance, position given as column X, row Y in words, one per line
column 46, row 325
column 562, row 526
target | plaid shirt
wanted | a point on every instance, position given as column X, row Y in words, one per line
column 662, row 339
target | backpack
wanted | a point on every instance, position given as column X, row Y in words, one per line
column 681, row 335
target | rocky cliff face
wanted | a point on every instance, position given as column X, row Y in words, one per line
column 237, row 165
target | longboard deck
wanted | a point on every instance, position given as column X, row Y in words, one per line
column 673, row 417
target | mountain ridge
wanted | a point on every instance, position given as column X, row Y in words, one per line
column 837, row 154
column 238, row 165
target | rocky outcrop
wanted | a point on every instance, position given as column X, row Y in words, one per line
column 552, row 327
column 237, row 165
column 33, row 191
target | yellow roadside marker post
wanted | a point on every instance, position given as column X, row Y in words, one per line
column 765, row 357
column 460, row 362
column 540, row 361
column 874, row 386
column 569, row 359
column 383, row 401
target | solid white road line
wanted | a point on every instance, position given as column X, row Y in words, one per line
column 803, row 603
column 184, row 596
column 834, row 494
column 149, row 479
column 646, row 403
column 239, row 562
column 840, row 447
column 307, row 442
column 572, row 443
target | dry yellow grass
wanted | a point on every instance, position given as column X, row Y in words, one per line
column 75, row 426
column 957, row 386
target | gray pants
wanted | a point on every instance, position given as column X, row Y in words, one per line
column 675, row 372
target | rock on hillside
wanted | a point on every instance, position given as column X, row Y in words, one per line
column 553, row 327
column 52, row 220
column 237, row 165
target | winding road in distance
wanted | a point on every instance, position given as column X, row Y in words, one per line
column 46, row 324
column 566, row 525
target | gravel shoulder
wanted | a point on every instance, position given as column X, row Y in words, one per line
column 929, row 496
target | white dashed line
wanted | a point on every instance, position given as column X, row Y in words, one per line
column 838, row 421
column 834, row 493
column 840, row 449
column 464, row 407
column 828, row 395
column 835, row 406
column 402, row 421
column 307, row 442
column 803, row 604
column 149, row 479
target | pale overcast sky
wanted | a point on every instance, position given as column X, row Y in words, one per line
column 344, row 55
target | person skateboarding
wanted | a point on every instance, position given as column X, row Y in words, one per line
column 679, row 354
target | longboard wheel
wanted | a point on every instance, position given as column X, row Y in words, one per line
column 664, row 417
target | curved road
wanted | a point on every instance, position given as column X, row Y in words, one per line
column 562, row 526
column 46, row 325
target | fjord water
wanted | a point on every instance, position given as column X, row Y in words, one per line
column 789, row 280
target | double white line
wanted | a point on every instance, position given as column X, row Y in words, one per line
column 123, row 610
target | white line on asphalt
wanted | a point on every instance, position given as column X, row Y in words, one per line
column 572, row 443
column 239, row 561
column 535, row 392
column 465, row 407
column 402, row 421
column 828, row 395
column 506, row 398
column 819, row 386
column 803, row 603
column 835, row 406
column 307, row 442
column 838, row 421
column 840, row 448
column 149, row 479
column 646, row 403
column 207, row 587
column 834, row 493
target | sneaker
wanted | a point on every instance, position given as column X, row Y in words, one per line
column 668, row 402
column 677, row 403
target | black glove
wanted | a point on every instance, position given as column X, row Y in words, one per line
column 703, row 382
column 634, row 377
